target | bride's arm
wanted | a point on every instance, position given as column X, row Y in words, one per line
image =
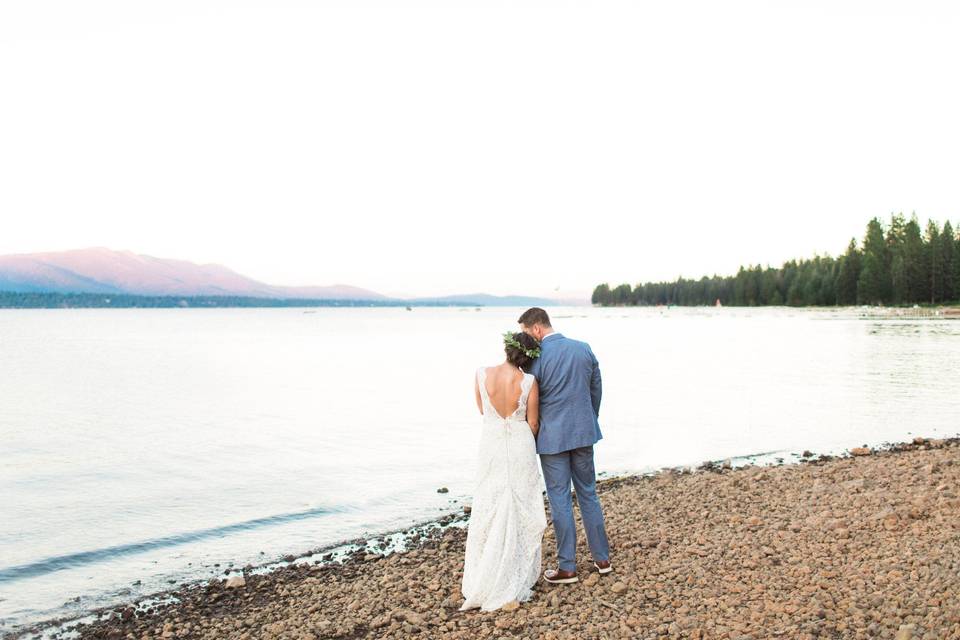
column 533, row 408
column 476, row 392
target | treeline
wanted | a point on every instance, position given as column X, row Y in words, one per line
column 901, row 263
column 41, row 300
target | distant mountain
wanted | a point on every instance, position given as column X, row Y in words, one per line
column 102, row 270
column 487, row 300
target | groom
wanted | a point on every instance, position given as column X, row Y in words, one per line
column 569, row 379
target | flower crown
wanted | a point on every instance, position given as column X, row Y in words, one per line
column 510, row 341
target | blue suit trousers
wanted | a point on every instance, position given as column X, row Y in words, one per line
column 558, row 470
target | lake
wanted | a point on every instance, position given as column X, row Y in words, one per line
column 143, row 447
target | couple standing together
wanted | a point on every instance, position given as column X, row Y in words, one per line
column 543, row 399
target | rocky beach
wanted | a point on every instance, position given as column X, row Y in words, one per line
column 865, row 545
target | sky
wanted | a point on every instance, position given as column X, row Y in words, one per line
column 430, row 148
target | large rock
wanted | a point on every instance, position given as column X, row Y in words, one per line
column 414, row 618
column 905, row 632
column 891, row 522
column 234, row 582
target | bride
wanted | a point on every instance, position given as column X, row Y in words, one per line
column 503, row 549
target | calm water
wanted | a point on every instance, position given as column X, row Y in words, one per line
column 150, row 444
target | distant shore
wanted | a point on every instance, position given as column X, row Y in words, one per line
column 896, row 264
column 44, row 300
column 866, row 545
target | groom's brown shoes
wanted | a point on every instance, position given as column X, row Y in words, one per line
column 558, row 576
column 603, row 566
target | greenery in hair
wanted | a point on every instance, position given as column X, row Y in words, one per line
column 510, row 341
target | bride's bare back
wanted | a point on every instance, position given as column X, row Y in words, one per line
column 503, row 387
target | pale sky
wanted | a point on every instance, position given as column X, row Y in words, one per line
column 426, row 148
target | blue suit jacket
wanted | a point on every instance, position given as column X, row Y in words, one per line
column 569, row 378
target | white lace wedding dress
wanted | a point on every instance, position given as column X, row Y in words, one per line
column 502, row 559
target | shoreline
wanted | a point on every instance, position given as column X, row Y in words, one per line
column 266, row 585
column 335, row 553
column 412, row 536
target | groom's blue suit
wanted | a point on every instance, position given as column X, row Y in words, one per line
column 568, row 375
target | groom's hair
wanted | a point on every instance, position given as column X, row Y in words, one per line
column 534, row 315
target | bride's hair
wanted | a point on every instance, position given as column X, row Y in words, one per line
column 518, row 357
